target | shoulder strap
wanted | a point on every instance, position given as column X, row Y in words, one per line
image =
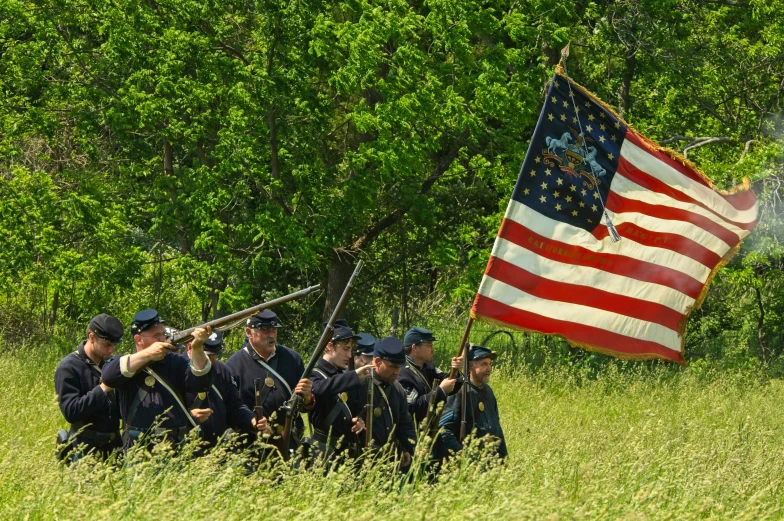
column 270, row 370
column 386, row 401
column 340, row 405
column 165, row 385
column 137, row 400
column 418, row 373
column 89, row 363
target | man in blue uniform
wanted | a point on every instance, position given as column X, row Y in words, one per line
column 278, row 367
column 481, row 409
column 220, row 408
column 88, row 404
column 363, row 350
column 336, row 417
column 151, row 382
column 392, row 422
column 419, row 374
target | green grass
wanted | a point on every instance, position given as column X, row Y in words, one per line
column 649, row 443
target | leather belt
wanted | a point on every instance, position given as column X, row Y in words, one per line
column 96, row 437
column 177, row 433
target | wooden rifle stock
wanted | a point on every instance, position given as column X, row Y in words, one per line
column 235, row 319
column 369, row 413
column 293, row 405
column 464, row 394
column 258, row 385
column 432, row 419
column 462, row 348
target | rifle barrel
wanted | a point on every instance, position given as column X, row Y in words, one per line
column 464, row 394
column 226, row 322
column 294, row 404
column 327, row 333
column 257, row 410
column 369, row 412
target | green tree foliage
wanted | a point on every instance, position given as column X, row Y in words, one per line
column 198, row 156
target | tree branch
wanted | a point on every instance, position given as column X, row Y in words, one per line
column 231, row 51
column 705, row 141
column 734, row 3
column 746, row 149
column 268, row 193
column 695, row 142
column 375, row 229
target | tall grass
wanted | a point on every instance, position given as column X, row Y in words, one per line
column 634, row 443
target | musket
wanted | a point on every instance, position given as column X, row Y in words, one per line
column 432, row 419
column 369, row 413
column 235, row 319
column 464, row 394
column 258, row 386
column 293, row 405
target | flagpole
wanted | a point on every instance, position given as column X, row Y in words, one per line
column 614, row 236
column 463, row 349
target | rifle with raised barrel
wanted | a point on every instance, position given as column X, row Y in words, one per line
column 369, row 411
column 464, row 394
column 432, row 418
column 258, row 387
column 235, row 319
column 293, row 405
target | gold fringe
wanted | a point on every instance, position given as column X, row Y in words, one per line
column 744, row 186
column 587, row 347
column 727, row 257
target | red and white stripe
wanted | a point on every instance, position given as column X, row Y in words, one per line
column 630, row 298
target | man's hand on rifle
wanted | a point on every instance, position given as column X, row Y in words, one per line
column 359, row 425
column 261, row 425
column 364, row 372
column 457, row 363
column 156, row 351
column 200, row 335
column 305, row 389
column 405, row 459
column 198, row 359
column 448, row 385
column 201, row 415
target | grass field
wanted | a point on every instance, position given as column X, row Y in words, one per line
column 651, row 443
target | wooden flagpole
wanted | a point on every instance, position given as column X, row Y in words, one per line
column 463, row 349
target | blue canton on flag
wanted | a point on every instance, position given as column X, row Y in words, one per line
column 557, row 179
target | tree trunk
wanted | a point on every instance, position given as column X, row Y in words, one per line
column 404, row 278
column 760, row 322
column 395, row 322
column 217, row 310
column 624, row 94
column 55, row 307
column 273, row 143
column 168, row 169
column 340, row 269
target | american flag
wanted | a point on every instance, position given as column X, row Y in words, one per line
column 554, row 268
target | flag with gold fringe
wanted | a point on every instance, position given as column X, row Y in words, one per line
column 609, row 240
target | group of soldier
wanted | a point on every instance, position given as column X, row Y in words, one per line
column 164, row 392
